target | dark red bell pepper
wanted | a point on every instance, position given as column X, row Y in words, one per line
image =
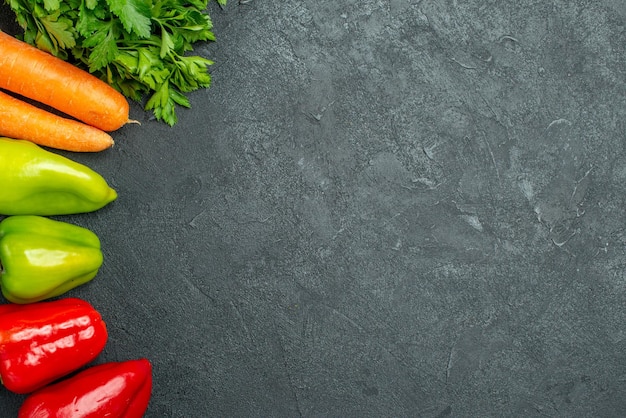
column 116, row 390
column 44, row 341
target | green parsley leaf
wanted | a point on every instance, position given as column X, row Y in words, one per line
column 167, row 44
column 134, row 15
column 60, row 31
column 103, row 48
column 163, row 102
column 51, row 5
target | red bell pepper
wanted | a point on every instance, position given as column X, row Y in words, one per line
column 116, row 390
column 44, row 341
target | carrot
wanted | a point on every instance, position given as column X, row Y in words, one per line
column 21, row 120
column 38, row 75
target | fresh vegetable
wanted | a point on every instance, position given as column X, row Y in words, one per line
column 41, row 258
column 40, row 76
column 140, row 47
column 42, row 342
column 116, row 390
column 22, row 120
column 34, row 181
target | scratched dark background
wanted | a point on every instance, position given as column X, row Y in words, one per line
column 380, row 208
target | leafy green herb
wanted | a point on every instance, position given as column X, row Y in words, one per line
column 140, row 47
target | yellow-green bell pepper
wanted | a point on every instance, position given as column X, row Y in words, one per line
column 34, row 181
column 41, row 258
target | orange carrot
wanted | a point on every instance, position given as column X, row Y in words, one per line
column 21, row 120
column 40, row 76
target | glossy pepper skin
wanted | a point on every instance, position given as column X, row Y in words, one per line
column 41, row 258
column 44, row 341
column 116, row 390
column 35, row 181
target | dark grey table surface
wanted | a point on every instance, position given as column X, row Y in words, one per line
column 380, row 208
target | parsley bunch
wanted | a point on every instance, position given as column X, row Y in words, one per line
column 137, row 46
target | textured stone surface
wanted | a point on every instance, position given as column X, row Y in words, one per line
column 380, row 208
